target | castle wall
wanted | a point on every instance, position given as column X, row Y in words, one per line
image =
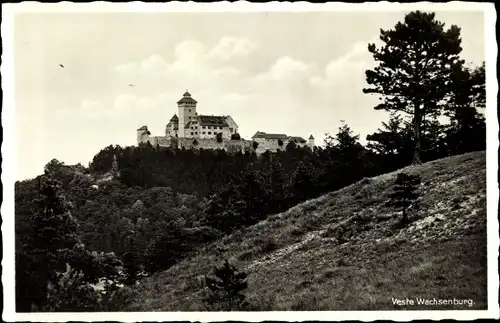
column 269, row 144
column 187, row 143
column 231, row 146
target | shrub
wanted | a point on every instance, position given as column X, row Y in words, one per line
column 225, row 289
column 404, row 195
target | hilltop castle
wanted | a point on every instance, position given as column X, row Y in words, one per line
column 192, row 130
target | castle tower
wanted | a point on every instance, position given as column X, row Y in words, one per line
column 187, row 112
column 311, row 141
column 142, row 134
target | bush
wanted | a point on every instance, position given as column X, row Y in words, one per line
column 235, row 136
column 225, row 289
column 405, row 194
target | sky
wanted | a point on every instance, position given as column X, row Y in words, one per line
column 298, row 73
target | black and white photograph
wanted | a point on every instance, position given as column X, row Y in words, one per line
column 249, row 161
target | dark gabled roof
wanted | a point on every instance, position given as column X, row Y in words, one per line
column 264, row 135
column 187, row 99
column 298, row 139
column 143, row 128
column 311, row 137
column 213, row 121
column 174, row 126
column 175, row 118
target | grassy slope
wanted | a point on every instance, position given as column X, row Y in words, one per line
column 295, row 262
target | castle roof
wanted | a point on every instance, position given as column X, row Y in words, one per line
column 174, row 125
column 311, row 137
column 174, row 118
column 213, row 121
column 264, row 135
column 143, row 128
column 186, row 98
column 298, row 139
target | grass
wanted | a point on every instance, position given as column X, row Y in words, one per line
column 345, row 250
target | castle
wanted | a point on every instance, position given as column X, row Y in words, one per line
column 191, row 130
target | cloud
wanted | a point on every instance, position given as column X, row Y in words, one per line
column 189, row 50
column 287, row 67
column 346, row 69
column 154, row 64
column 229, row 47
column 129, row 103
column 287, row 91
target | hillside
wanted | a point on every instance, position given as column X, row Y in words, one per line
column 296, row 261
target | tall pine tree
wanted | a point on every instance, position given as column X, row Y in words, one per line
column 415, row 65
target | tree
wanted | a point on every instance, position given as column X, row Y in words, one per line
column 404, row 194
column 467, row 129
column 225, row 288
column 415, row 65
column 255, row 144
column 303, row 180
column 51, row 258
column 235, row 136
column 280, row 142
column 392, row 139
column 291, row 145
column 195, row 142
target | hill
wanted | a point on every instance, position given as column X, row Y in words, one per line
column 346, row 251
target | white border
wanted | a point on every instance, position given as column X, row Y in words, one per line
column 8, row 155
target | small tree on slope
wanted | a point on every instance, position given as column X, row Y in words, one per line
column 405, row 193
column 225, row 288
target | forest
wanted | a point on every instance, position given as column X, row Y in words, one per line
column 84, row 233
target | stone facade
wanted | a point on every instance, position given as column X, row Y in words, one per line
column 275, row 142
column 190, row 130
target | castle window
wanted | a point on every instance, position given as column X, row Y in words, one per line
column 191, row 133
column 195, row 133
column 220, row 128
column 204, row 127
column 203, row 133
column 209, row 132
column 189, row 110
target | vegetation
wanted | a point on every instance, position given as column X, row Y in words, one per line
column 416, row 64
column 141, row 211
column 225, row 289
column 404, row 195
column 294, row 260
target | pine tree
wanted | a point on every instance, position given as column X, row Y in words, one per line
column 44, row 256
column 416, row 63
column 467, row 129
column 405, row 193
column 392, row 139
column 303, row 180
column 225, row 288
